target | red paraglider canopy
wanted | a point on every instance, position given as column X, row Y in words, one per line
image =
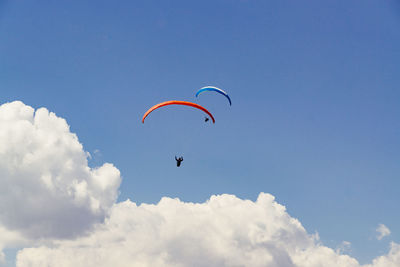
column 177, row 102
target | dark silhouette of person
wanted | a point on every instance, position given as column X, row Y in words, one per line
column 178, row 161
column 206, row 119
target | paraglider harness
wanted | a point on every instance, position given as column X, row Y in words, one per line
column 178, row 161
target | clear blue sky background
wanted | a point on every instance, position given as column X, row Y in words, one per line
column 315, row 88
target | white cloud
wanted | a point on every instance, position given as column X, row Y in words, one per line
column 382, row 231
column 47, row 189
column 224, row 231
column 54, row 205
column 343, row 248
column 392, row 259
column 9, row 238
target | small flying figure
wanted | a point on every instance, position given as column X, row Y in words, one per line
column 178, row 161
column 206, row 119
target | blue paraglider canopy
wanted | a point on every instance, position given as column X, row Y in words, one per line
column 215, row 89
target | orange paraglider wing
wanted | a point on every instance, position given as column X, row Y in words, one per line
column 177, row 102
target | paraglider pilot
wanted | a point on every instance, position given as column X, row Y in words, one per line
column 178, row 161
column 206, row 119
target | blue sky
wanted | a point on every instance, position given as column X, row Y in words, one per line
column 315, row 96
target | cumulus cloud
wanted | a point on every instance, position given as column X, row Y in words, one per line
column 9, row 238
column 344, row 247
column 224, row 231
column 382, row 231
column 47, row 189
column 392, row 259
column 64, row 213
